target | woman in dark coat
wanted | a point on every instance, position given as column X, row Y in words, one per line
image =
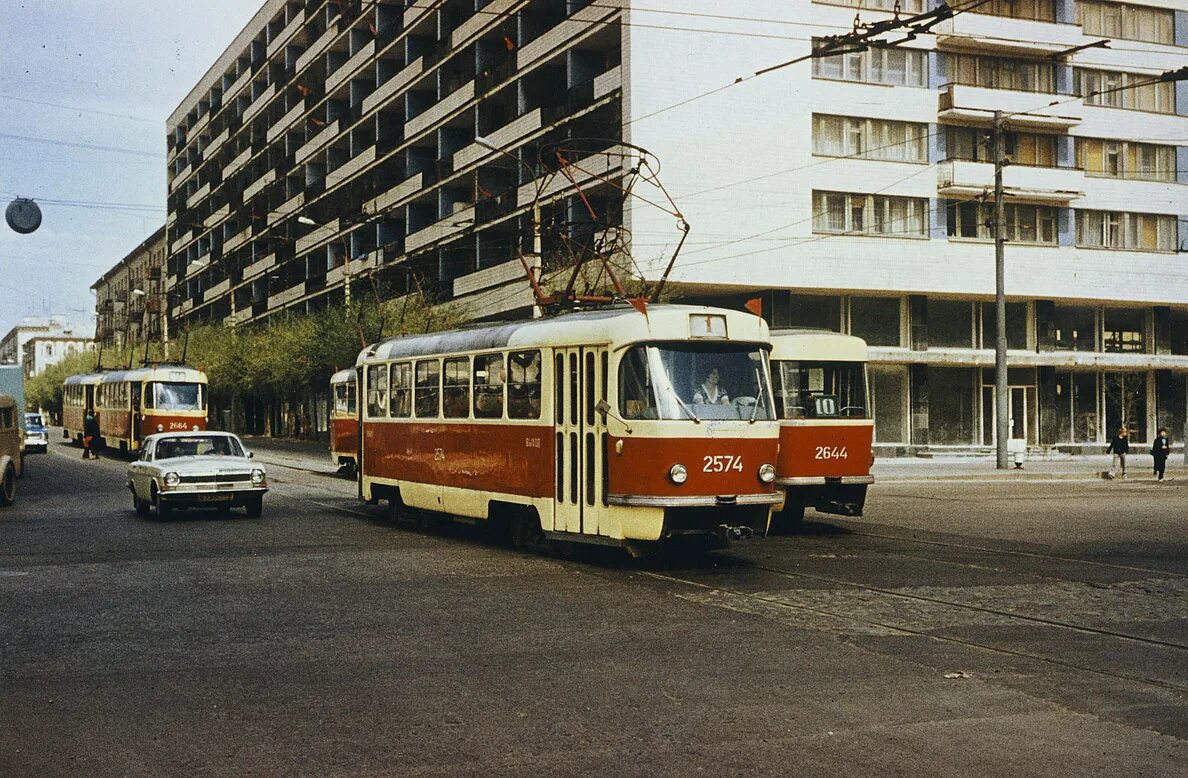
column 90, row 435
column 1160, row 451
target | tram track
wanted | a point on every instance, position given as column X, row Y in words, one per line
column 930, row 634
column 1017, row 553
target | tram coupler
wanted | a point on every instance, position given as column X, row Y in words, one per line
column 731, row 532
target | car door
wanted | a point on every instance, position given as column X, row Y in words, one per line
column 142, row 473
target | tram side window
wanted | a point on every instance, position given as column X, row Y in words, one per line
column 401, row 390
column 377, row 391
column 455, row 393
column 341, row 404
column 489, row 377
column 635, row 392
column 523, row 387
column 428, row 388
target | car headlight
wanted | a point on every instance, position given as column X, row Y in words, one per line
column 678, row 474
column 172, row 479
column 257, row 476
column 766, row 473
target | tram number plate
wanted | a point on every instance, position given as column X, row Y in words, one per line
column 831, row 452
column 722, row 463
column 177, row 425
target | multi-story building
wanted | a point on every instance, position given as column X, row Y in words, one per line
column 130, row 297
column 849, row 192
column 52, row 337
column 41, row 351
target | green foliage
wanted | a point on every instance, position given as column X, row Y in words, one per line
column 45, row 390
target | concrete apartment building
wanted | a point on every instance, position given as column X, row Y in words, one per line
column 130, row 297
column 847, row 192
column 38, row 342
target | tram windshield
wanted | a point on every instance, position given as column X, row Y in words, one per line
column 695, row 381
column 169, row 396
column 819, row 390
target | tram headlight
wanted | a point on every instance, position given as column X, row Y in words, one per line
column 767, row 473
column 678, row 474
column 257, row 477
column 172, row 479
column 195, row 427
column 160, row 428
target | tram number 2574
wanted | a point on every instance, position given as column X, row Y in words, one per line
column 722, row 463
column 831, row 452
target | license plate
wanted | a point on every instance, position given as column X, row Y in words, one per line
column 215, row 497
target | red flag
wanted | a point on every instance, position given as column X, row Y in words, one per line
column 317, row 122
column 639, row 304
column 755, row 306
column 304, row 90
column 509, row 43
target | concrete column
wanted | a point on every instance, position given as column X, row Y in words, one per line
column 918, row 400
column 1045, row 326
column 1048, row 405
column 1162, row 329
column 918, row 322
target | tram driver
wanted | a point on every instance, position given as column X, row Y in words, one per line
column 710, row 391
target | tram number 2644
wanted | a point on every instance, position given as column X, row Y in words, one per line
column 831, row 452
column 722, row 463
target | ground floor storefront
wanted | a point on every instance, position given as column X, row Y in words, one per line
column 919, row 407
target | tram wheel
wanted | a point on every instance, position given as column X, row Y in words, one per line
column 8, row 486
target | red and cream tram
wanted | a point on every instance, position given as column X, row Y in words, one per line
column 826, row 428
column 78, row 397
column 604, row 426
column 344, row 419
column 132, row 404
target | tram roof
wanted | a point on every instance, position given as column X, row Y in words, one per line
column 817, row 344
column 346, row 376
column 182, row 373
column 619, row 325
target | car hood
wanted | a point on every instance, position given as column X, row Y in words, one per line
column 207, row 464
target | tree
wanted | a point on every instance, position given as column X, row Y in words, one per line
column 44, row 390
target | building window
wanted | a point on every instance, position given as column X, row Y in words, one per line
column 851, row 136
column 1127, row 21
column 1123, row 330
column 951, row 409
column 904, row 6
column 1035, row 10
column 1124, row 159
column 889, row 402
column 894, row 66
column 1017, row 325
column 876, row 320
column 1024, row 223
column 1124, row 230
column 1022, row 148
column 1136, row 91
column 1001, row 73
column 950, row 323
column 864, row 214
column 1075, row 326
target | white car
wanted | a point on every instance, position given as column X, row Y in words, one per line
column 196, row 470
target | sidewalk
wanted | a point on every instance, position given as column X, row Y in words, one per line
column 1072, row 468
column 311, row 455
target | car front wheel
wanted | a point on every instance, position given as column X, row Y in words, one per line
column 254, row 506
column 8, row 486
column 164, row 509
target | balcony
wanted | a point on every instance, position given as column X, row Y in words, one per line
column 259, row 266
column 202, row 193
column 960, row 179
column 316, row 48
column 589, row 19
column 975, row 105
column 217, row 216
column 259, row 103
column 286, row 121
column 354, row 166
column 1001, row 35
column 232, row 91
column 440, row 110
column 234, row 165
column 506, row 137
column 493, row 13
column 402, row 191
column 324, row 136
column 317, row 235
column 350, row 67
column 284, row 298
column 258, row 185
column 286, row 34
column 447, row 227
column 219, row 140
column 290, row 207
column 238, row 239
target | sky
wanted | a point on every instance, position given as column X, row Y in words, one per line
column 89, row 73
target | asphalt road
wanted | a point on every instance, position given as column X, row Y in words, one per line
column 958, row 629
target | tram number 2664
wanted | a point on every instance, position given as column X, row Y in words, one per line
column 831, row 452
column 722, row 463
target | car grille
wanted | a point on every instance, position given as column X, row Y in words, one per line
column 221, row 478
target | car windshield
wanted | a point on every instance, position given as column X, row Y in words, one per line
column 171, row 396
column 198, row 445
column 695, row 381
column 819, row 390
column 33, row 420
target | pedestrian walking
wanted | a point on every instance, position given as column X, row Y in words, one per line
column 1119, row 447
column 90, row 435
column 1160, row 451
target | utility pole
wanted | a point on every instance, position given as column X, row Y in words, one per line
column 1001, row 386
